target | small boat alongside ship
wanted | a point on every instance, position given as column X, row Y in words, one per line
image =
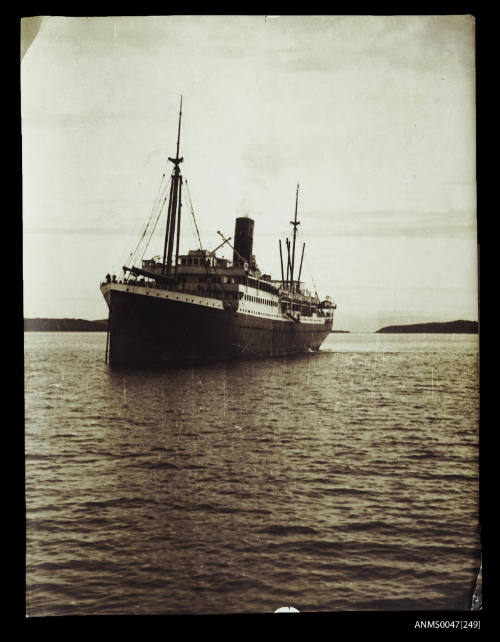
column 186, row 308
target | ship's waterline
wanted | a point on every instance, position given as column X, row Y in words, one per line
column 198, row 306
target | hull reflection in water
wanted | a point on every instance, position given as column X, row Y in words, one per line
column 332, row 481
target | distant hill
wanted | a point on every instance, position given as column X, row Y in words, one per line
column 448, row 327
column 65, row 325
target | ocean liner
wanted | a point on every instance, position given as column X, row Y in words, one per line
column 185, row 308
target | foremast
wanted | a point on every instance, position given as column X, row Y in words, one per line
column 172, row 231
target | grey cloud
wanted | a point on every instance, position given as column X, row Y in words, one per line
column 453, row 225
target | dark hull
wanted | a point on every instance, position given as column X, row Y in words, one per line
column 148, row 332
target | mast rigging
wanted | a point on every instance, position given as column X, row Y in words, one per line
column 294, row 223
column 174, row 208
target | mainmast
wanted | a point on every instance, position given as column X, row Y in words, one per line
column 294, row 223
column 174, row 208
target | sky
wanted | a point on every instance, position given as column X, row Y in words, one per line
column 374, row 117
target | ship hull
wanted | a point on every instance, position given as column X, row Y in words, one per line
column 152, row 330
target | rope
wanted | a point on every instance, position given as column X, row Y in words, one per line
column 301, row 239
column 154, row 227
column 149, row 219
column 156, row 211
column 192, row 213
column 155, row 214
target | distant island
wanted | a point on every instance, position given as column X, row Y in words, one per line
column 76, row 325
column 101, row 325
column 448, row 327
column 65, row 325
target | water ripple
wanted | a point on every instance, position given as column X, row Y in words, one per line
column 340, row 481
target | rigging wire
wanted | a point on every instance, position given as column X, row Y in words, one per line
column 301, row 239
column 133, row 255
column 192, row 213
column 156, row 204
column 155, row 224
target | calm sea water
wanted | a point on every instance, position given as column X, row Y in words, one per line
column 340, row 481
